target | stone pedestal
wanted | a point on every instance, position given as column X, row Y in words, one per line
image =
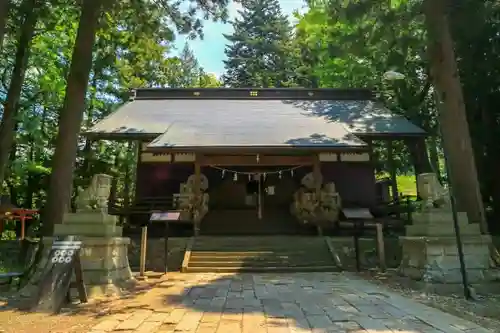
column 104, row 253
column 430, row 253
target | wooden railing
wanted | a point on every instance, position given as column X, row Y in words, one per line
column 144, row 205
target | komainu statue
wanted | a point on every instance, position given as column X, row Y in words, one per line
column 432, row 192
column 96, row 196
column 322, row 210
column 330, row 202
column 192, row 206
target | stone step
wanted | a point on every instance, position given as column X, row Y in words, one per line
column 258, row 263
column 258, row 248
column 267, row 269
column 270, row 253
column 221, row 257
column 209, row 254
column 236, row 242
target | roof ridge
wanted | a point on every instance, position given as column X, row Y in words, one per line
column 254, row 93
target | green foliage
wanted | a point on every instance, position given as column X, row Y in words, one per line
column 259, row 51
column 133, row 49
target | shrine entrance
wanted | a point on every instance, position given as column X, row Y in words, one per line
column 253, row 200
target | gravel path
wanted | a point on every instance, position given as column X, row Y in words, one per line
column 485, row 311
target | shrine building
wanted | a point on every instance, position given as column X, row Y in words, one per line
column 255, row 161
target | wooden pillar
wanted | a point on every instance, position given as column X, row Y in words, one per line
column 317, row 183
column 197, row 193
column 381, row 247
column 259, row 198
column 144, row 246
column 369, row 142
column 392, row 171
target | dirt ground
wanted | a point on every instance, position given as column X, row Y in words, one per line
column 77, row 318
column 484, row 311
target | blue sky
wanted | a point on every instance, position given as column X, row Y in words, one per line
column 210, row 50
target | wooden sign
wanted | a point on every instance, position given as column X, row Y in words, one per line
column 357, row 213
column 165, row 216
column 55, row 284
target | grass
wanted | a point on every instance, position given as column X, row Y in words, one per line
column 407, row 184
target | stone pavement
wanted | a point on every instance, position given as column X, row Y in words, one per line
column 278, row 303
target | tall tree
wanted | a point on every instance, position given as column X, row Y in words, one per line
column 452, row 113
column 71, row 115
column 189, row 68
column 29, row 12
column 4, row 11
column 259, row 48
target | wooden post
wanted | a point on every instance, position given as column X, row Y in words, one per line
column 317, row 183
column 144, row 246
column 165, row 248
column 80, row 285
column 392, row 171
column 259, row 198
column 381, row 247
column 197, row 190
column 23, row 226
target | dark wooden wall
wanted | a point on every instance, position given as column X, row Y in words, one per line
column 355, row 181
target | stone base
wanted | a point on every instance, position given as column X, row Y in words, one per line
column 434, row 261
column 92, row 224
column 440, row 223
column 105, row 264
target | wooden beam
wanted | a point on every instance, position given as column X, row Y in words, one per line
column 252, row 160
column 197, row 190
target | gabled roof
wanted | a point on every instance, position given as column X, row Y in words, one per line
column 252, row 117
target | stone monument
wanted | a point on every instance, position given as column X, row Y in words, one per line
column 104, row 253
column 430, row 253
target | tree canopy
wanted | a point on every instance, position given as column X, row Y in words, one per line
column 64, row 67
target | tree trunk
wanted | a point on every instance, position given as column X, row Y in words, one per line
column 71, row 116
column 4, row 14
column 7, row 132
column 452, row 115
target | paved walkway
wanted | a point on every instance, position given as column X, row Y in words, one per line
column 278, row 303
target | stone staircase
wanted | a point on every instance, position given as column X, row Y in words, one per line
column 259, row 254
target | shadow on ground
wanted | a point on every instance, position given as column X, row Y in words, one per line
column 327, row 302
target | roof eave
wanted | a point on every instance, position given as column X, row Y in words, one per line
column 397, row 135
column 257, row 149
column 116, row 136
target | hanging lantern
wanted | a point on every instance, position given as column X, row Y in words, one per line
column 279, row 175
column 291, row 172
column 223, row 173
column 249, row 177
column 235, row 178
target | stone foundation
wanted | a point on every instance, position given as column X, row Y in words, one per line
column 155, row 253
column 434, row 262
column 104, row 253
column 105, row 264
